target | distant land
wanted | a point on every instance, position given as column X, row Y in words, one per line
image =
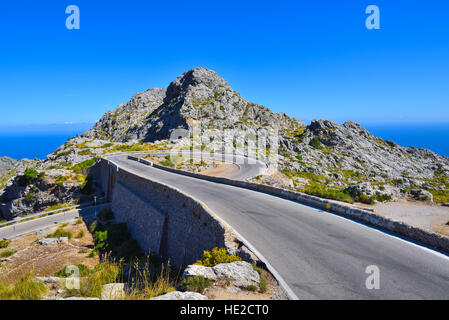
column 37, row 141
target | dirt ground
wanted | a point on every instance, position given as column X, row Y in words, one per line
column 222, row 170
column 425, row 215
column 45, row 260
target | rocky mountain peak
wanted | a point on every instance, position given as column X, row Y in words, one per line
column 199, row 95
column 195, row 79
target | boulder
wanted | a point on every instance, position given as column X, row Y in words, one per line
column 51, row 241
column 421, row 195
column 177, row 295
column 240, row 272
column 195, row 270
column 113, row 291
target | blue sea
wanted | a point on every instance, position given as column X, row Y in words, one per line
column 33, row 142
column 37, row 142
column 434, row 137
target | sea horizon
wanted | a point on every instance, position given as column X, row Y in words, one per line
column 37, row 141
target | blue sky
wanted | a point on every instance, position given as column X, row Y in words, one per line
column 309, row 59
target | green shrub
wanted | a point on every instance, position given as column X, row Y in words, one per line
column 83, row 269
column 105, row 214
column 326, row 193
column 252, row 288
column 80, row 234
column 101, row 238
column 60, row 232
column 263, row 281
column 216, row 256
column 81, row 168
column 4, row 244
column 196, row 284
column 29, row 197
column 7, row 253
column 29, row 175
column 315, row 143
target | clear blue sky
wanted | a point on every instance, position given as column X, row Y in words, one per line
column 310, row 59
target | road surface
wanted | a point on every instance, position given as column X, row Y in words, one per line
column 320, row 255
column 38, row 224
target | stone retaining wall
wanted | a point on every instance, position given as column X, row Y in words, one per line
column 165, row 220
column 427, row 238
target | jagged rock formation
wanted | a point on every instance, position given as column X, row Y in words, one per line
column 197, row 95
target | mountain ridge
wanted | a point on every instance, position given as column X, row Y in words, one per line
column 338, row 161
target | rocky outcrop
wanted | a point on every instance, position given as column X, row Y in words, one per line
column 6, row 164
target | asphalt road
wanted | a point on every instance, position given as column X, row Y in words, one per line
column 320, row 255
column 38, row 224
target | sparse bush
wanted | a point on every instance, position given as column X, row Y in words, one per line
column 81, row 168
column 315, row 143
column 83, row 269
column 263, row 281
column 26, row 289
column 60, row 232
column 29, row 175
column 7, row 253
column 216, row 256
column 4, row 243
column 80, row 234
column 251, row 288
column 196, row 284
column 91, row 285
column 323, row 192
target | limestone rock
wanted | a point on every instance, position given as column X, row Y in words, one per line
column 240, row 272
column 421, row 195
column 113, row 291
column 177, row 295
column 51, row 241
column 195, row 270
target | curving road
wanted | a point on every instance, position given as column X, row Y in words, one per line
column 320, row 255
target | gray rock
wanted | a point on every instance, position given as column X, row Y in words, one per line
column 195, row 270
column 240, row 272
column 52, row 241
column 5, row 259
column 113, row 291
column 49, row 280
column 177, row 295
column 421, row 195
